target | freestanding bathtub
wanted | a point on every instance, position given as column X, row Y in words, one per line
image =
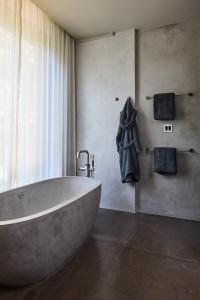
column 42, row 225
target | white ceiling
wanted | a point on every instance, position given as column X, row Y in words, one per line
column 86, row 18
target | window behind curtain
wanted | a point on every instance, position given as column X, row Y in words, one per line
column 32, row 96
column 41, row 97
column 9, row 78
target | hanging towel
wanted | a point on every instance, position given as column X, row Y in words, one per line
column 164, row 106
column 128, row 144
column 165, row 161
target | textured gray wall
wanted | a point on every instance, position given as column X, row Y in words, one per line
column 105, row 70
column 168, row 60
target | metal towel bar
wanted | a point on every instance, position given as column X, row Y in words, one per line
column 177, row 95
column 191, row 150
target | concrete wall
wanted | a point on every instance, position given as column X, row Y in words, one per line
column 105, row 70
column 168, row 60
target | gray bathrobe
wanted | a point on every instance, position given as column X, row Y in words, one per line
column 128, row 144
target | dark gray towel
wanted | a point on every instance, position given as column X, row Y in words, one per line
column 164, row 106
column 128, row 144
column 165, row 162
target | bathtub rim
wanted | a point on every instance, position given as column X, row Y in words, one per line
column 97, row 184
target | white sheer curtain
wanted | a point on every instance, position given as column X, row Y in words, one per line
column 40, row 118
column 41, row 97
column 9, row 78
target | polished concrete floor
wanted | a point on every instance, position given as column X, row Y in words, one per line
column 127, row 257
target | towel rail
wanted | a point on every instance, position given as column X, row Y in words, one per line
column 191, row 150
column 177, row 95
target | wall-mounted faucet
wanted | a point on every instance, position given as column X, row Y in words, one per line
column 89, row 171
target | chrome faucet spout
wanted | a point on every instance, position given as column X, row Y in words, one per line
column 82, row 152
column 87, row 165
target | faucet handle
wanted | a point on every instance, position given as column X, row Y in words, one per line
column 82, row 169
column 92, row 158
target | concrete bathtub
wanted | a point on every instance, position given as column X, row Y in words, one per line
column 42, row 225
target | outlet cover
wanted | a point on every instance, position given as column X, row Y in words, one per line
column 168, row 128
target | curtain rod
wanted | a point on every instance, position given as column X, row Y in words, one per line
column 94, row 38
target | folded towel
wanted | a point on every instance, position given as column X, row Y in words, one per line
column 165, row 161
column 164, row 106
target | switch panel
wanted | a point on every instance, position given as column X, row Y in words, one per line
column 168, row 128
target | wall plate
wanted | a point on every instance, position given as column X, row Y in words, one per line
column 168, row 128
